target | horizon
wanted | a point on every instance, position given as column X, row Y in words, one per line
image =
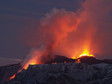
column 21, row 19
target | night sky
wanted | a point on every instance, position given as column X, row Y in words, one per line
column 19, row 16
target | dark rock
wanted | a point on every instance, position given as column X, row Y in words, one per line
column 89, row 71
column 7, row 71
column 65, row 73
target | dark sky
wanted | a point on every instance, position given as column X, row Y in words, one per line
column 16, row 16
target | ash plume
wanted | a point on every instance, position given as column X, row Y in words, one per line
column 97, row 22
column 52, row 29
column 93, row 32
column 57, row 31
column 56, row 26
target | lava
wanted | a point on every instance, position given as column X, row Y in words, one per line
column 85, row 53
column 30, row 62
column 73, row 57
column 78, row 61
column 54, row 63
column 12, row 77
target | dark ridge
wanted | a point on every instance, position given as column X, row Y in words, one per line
column 109, row 61
column 89, row 60
column 83, row 59
column 93, row 60
column 60, row 59
column 7, row 71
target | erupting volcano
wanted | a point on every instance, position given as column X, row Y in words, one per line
column 65, row 47
column 34, row 61
column 85, row 53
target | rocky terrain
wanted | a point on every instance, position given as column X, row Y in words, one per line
column 65, row 73
column 7, row 71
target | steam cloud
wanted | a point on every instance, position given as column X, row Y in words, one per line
column 53, row 28
column 93, row 32
column 56, row 26
column 97, row 22
column 57, row 33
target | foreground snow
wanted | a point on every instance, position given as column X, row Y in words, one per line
column 65, row 73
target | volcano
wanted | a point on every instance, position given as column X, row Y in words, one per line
column 84, row 59
column 60, row 69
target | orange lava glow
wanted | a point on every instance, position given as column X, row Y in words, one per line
column 12, row 77
column 54, row 63
column 85, row 53
column 78, row 61
column 30, row 62
column 73, row 57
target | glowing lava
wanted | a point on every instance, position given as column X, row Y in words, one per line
column 86, row 53
column 12, row 77
column 30, row 62
column 73, row 57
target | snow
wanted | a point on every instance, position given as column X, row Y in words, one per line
column 67, row 73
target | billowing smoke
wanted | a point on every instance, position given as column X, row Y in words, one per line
column 96, row 22
column 56, row 26
column 101, row 14
column 93, row 32
column 57, row 33
column 53, row 28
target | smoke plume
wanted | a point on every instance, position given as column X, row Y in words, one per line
column 93, row 32
column 53, row 28
column 57, row 33
column 97, row 21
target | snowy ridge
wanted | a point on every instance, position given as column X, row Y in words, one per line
column 65, row 73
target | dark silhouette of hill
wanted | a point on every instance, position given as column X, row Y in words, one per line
column 83, row 59
column 7, row 71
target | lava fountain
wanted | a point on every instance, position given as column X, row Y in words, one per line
column 86, row 53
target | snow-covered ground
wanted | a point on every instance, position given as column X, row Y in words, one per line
column 65, row 73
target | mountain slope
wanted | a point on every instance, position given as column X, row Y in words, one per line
column 65, row 73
